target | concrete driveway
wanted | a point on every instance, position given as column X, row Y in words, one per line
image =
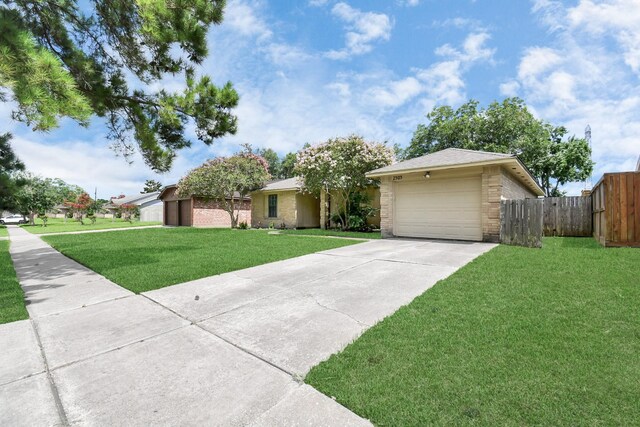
column 224, row 350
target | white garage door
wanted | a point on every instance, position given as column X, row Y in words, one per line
column 439, row 208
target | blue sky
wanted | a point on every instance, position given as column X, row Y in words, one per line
column 308, row 70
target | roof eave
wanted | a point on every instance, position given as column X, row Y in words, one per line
column 374, row 174
column 529, row 180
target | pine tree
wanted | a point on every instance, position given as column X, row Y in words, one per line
column 59, row 59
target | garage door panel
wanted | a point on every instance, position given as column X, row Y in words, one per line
column 445, row 209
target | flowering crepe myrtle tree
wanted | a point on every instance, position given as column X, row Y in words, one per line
column 222, row 178
column 80, row 207
column 340, row 165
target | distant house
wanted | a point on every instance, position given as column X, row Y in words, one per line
column 148, row 203
column 283, row 204
column 194, row 211
column 60, row 211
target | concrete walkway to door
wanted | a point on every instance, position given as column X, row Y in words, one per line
column 224, row 350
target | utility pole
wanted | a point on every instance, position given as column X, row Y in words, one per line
column 587, row 136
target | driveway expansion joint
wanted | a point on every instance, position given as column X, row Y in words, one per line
column 120, row 347
column 244, row 350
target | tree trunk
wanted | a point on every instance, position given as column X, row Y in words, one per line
column 32, row 218
column 232, row 213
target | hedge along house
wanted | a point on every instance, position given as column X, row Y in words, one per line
column 451, row 194
column 282, row 204
column 194, row 211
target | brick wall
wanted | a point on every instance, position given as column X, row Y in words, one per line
column 386, row 207
column 491, row 196
column 513, row 189
column 211, row 214
column 286, row 209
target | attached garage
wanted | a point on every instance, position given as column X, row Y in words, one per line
column 451, row 194
column 439, row 208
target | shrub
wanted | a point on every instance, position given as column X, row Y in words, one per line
column 44, row 218
column 243, row 225
column 359, row 210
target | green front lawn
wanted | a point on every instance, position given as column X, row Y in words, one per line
column 58, row 225
column 518, row 337
column 3, row 231
column 142, row 260
column 11, row 296
column 334, row 233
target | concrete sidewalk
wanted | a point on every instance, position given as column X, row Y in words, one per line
column 95, row 353
column 101, row 230
column 223, row 350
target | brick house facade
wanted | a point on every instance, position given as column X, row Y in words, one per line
column 198, row 212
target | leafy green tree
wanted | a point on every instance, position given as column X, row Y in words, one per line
column 151, row 186
column 9, row 166
column 65, row 58
column 224, row 179
column 506, row 127
column 339, row 165
column 39, row 195
column 288, row 165
column 272, row 158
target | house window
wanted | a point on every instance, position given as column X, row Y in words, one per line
column 273, row 205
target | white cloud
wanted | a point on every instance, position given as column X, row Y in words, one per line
column 587, row 74
column 89, row 164
column 620, row 18
column 510, row 88
column 318, row 3
column 442, row 82
column 241, row 17
column 364, row 28
column 396, row 93
column 460, row 22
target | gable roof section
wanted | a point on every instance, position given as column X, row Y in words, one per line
column 283, row 185
column 136, row 199
column 452, row 158
column 236, row 195
column 638, row 165
column 447, row 157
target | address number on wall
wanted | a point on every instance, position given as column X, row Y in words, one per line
column 397, row 178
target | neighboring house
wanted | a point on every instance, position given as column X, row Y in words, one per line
column 148, row 203
column 195, row 211
column 638, row 165
column 283, row 203
column 451, row 194
column 59, row 211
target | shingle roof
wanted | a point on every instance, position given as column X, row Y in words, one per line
column 284, row 184
column 136, row 199
column 447, row 157
column 236, row 194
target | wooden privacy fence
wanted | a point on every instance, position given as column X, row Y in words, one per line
column 567, row 216
column 616, row 209
column 521, row 222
